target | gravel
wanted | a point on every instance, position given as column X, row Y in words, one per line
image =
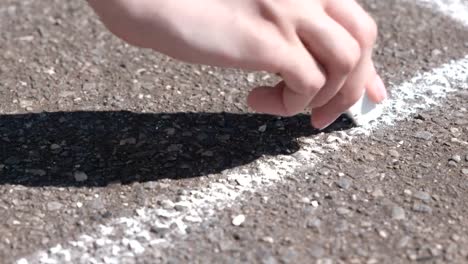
column 314, row 223
column 424, row 196
column 456, row 158
column 54, row 206
column 398, row 213
column 425, row 135
column 394, row 153
column 238, row 220
column 343, row 211
column 465, row 171
column 344, row 183
column 422, row 208
column 167, row 204
column 80, row 176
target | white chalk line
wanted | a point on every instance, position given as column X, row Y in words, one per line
column 456, row 9
column 423, row 91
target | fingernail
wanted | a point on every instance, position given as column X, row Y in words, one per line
column 322, row 123
column 381, row 90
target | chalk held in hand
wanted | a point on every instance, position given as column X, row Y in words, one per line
column 364, row 111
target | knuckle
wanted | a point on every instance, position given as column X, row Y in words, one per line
column 367, row 32
column 303, row 84
column 347, row 61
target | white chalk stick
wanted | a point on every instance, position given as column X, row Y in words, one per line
column 364, row 111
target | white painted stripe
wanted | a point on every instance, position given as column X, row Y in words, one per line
column 456, row 9
column 421, row 92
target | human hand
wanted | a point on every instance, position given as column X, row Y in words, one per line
column 321, row 48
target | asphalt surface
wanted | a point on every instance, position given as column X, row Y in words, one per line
column 92, row 129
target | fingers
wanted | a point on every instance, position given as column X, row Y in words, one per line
column 351, row 92
column 336, row 50
column 356, row 21
column 268, row 99
column 330, row 68
column 303, row 78
column 375, row 89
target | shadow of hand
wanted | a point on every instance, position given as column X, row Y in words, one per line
column 47, row 149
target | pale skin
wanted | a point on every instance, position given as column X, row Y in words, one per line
column 322, row 49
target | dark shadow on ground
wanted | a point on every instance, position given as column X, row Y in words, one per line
column 47, row 149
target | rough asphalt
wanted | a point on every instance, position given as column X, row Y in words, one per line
column 92, row 129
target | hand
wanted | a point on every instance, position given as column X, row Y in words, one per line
column 321, row 48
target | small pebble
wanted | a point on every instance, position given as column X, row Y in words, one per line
column 238, row 220
column 456, row 158
column 324, row 172
column 465, row 171
column 54, row 147
column 343, row 211
column 383, row 234
column 167, row 204
column 314, row 204
column 394, row 153
column 160, row 230
column 193, row 219
column 54, row 206
column 436, row 52
column 377, row 193
column 422, row 208
column 452, row 163
column 99, row 243
column 398, row 213
column 403, row 242
column 181, row 206
column 251, row 77
column 424, row 196
column 268, row 239
column 243, row 181
column 136, row 247
column 332, row 139
column 425, row 135
column 344, row 183
column 455, row 131
column 170, row 131
column 164, row 213
column 80, row 176
column 314, row 224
